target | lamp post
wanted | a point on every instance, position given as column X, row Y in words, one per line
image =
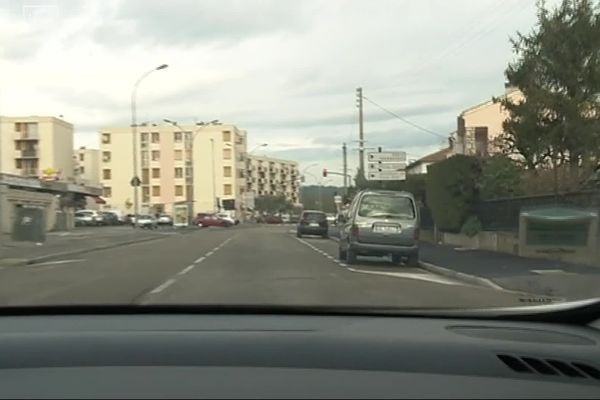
column 135, row 181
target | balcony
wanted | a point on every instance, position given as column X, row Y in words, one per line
column 27, row 154
column 26, row 136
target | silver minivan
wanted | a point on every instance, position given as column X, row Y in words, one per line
column 380, row 223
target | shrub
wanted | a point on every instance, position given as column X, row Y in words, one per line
column 471, row 227
column 451, row 190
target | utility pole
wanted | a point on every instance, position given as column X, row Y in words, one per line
column 345, row 170
column 361, row 136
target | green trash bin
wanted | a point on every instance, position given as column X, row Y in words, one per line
column 29, row 224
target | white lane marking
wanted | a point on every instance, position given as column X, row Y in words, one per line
column 199, row 260
column 403, row 275
column 56, row 262
column 552, row 271
column 163, row 286
column 210, row 253
column 186, row 270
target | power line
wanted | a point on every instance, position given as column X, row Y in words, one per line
column 404, row 119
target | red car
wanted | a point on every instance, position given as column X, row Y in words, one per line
column 204, row 219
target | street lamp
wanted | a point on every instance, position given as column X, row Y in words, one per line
column 135, row 181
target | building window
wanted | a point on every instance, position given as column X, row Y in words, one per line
column 155, row 191
column 106, row 138
column 145, row 157
column 145, row 176
column 107, row 191
column 145, row 194
column 227, row 172
column 106, row 174
column 227, row 189
column 155, row 173
column 241, row 173
column 81, row 156
column 178, row 155
column 106, row 156
column 226, row 154
column 155, row 155
column 144, row 136
column 239, row 139
column 178, row 172
column 177, row 137
column 179, row 190
column 227, row 136
column 155, row 137
column 82, row 170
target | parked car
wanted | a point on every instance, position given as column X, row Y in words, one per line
column 109, row 218
column 165, row 219
column 331, row 219
column 380, row 223
column 272, row 219
column 312, row 223
column 88, row 218
column 205, row 220
column 228, row 218
column 146, row 221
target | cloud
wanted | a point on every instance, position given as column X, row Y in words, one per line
column 191, row 22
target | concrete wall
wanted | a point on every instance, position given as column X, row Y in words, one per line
column 9, row 198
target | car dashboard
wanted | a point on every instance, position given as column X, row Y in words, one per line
column 249, row 356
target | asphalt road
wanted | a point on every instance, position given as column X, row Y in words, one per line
column 250, row 265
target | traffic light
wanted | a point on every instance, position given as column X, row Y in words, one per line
column 324, row 172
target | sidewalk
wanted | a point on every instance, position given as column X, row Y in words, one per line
column 77, row 241
column 532, row 275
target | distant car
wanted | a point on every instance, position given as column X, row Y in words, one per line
column 165, row 219
column 312, row 223
column 88, row 218
column 206, row 220
column 273, row 219
column 381, row 223
column 228, row 218
column 109, row 218
column 146, row 221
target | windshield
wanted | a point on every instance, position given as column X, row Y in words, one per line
column 381, row 206
column 338, row 153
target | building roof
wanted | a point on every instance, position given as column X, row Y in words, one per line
column 255, row 157
column 509, row 92
column 437, row 156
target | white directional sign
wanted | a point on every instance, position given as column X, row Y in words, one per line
column 387, row 156
column 387, row 176
column 380, row 166
column 386, row 166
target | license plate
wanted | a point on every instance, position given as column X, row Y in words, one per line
column 386, row 229
column 314, row 224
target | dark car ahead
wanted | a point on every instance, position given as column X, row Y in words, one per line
column 312, row 223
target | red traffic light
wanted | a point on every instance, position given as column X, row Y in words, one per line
column 324, row 172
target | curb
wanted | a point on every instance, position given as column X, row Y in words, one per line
column 468, row 278
column 48, row 257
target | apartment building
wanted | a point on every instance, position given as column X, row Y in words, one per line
column 479, row 126
column 86, row 166
column 273, row 176
column 198, row 165
column 36, row 147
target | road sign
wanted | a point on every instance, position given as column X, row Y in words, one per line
column 135, row 181
column 386, row 176
column 387, row 156
column 391, row 166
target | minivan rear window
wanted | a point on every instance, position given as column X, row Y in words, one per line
column 384, row 206
column 314, row 216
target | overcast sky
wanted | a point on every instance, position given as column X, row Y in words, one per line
column 284, row 70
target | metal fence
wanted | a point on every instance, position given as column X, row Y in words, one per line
column 503, row 214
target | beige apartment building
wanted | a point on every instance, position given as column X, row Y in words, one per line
column 272, row 176
column 86, row 166
column 480, row 126
column 201, row 165
column 36, row 147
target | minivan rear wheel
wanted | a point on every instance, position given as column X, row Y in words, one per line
column 396, row 259
column 350, row 256
column 341, row 253
column 413, row 260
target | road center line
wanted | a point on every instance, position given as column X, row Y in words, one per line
column 210, row 253
column 55, row 262
column 199, row 260
column 186, row 270
column 163, row 286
